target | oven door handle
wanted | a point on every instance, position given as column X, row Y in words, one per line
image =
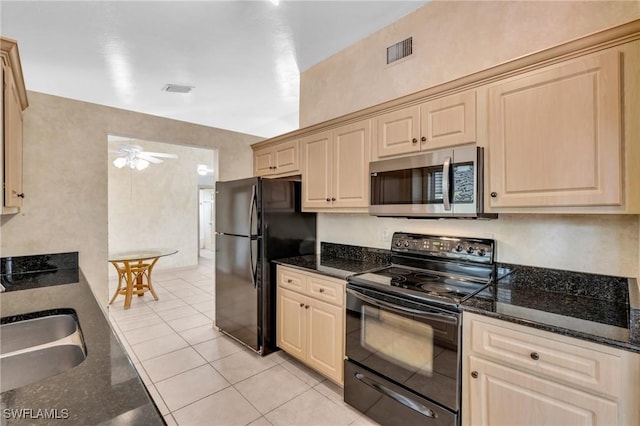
column 437, row 316
column 407, row 402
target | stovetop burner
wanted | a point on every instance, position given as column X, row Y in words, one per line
column 398, row 271
column 446, row 270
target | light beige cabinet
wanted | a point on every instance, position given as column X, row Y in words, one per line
column 555, row 136
column 281, row 159
column 438, row 123
column 14, row 101
column 514, row 374
column 310, row 320
column 335, row 168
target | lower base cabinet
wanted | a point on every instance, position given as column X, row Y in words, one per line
column 517, row 375
column 309, row 327
column 506, row 396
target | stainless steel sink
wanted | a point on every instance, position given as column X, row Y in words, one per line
column 35, row 349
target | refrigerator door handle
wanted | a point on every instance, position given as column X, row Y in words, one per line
column 252, row 206
column 254, row 268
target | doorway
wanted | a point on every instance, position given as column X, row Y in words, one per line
column 206, row 211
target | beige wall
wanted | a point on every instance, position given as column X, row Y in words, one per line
column 452, row 39
column 157, row 206
column 65, row 176
column 597, row 244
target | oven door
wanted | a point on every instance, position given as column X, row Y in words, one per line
column 411, row 344
column 438, row 184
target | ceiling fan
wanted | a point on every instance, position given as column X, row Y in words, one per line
column 136, row 158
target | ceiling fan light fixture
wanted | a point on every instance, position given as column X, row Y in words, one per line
column 139, row 164
column 120, row 162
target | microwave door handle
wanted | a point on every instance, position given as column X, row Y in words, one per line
column 449, row 319
column 446, row 184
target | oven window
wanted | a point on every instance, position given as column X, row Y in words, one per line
column 398, row 339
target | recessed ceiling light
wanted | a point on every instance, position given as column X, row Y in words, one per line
column 177, row 88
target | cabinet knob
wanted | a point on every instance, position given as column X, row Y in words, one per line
column 414, row 140
column 306, row 306
column 535, row 356
column 20, row 195
column 333, row 199
column 322, row 290
column 423, row 139
column 328, row 200
column 494, row 194
column 301, row 305
column 474, row 374
column 289, row 280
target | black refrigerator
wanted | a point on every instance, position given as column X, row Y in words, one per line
column 257, row 220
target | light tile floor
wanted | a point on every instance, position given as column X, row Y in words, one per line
column 198, row 376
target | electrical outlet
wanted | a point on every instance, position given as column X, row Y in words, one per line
column 385, row 235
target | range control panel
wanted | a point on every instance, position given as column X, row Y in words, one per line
column 478, row 250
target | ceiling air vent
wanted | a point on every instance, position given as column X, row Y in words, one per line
column 176, row 88
column 400, row 50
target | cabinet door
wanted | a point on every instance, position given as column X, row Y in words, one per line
column 286, row 158
column 505, row 396
column 12, row 110
column 316, row 170
column 554, row 136
column 291, row 323
column 351, row 153
column 263, row 162
column 325, row 350
column 398, row 132
column 448, row 121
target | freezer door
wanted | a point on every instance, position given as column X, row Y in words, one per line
column 237, row 207
column 238, row 289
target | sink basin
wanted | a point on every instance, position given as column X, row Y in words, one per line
column 35, row 349
column 34, row 332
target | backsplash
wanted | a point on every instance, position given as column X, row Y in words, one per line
column 364, row 254
column 42, row 270
column 38, row 263
column 598, row 244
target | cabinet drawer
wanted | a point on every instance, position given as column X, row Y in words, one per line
column 326, row 290
column 561, row 358
column 291, row 279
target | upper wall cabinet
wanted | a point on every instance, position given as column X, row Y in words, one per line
column 438, row 123
column 335, row 168
column 14, row 101
column 555, row 136
column 281, row 159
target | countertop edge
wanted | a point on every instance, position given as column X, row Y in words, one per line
column 554, row 329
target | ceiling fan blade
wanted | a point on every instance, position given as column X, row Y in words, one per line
column 160, row 154
column 149, row 158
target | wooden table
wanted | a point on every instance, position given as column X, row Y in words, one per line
column 134, row 266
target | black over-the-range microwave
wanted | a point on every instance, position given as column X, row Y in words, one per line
column 446, row 183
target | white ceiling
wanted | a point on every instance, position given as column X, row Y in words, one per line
column 243, row 57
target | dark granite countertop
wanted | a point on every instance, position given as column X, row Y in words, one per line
column 339, row 260
column 598, row 308
column 104, row 389
column 581, row 305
